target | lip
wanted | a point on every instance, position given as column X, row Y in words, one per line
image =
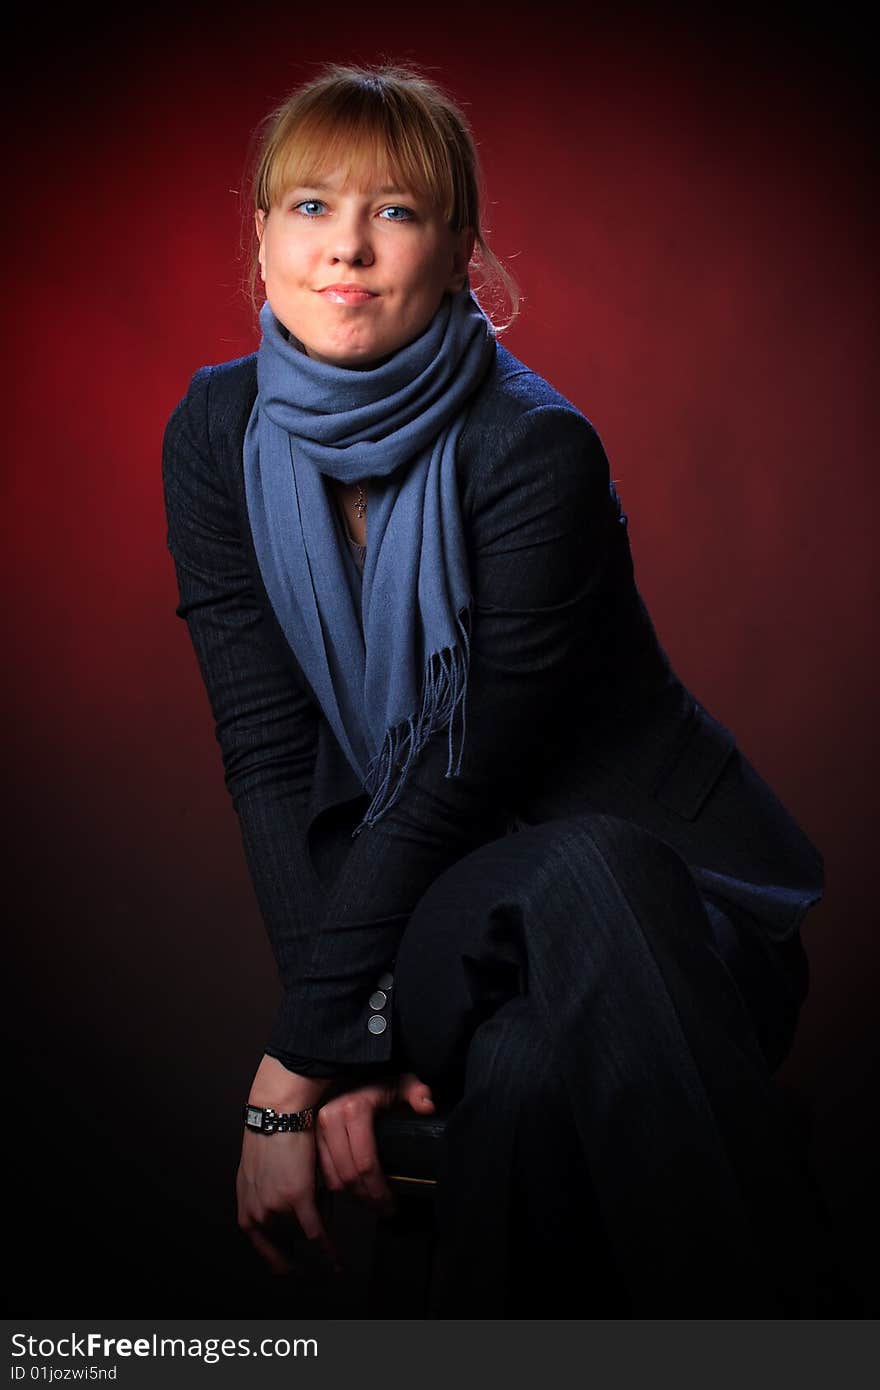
column 350, row 294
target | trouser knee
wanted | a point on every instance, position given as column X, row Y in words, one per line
column 571, row 896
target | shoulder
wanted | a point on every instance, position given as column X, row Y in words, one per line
column 511, row 388
column 217, row 397
column 518, row 422
column 204, row 434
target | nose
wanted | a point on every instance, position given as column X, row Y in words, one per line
column 350, row 241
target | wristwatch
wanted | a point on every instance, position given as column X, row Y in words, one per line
column 264, row 1120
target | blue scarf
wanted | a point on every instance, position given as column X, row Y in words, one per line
column 389, row 678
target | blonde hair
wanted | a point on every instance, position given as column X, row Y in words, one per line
column 359, row 120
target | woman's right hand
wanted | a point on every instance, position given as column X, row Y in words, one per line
column 275, row 1184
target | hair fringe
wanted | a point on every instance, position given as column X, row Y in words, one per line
column 333, row 96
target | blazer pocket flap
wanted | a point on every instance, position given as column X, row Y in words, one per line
column 688, row 777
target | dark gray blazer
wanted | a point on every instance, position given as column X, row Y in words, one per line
column 572, row 708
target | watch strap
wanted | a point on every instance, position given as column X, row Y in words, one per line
column 262, row 1119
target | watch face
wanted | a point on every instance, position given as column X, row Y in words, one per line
column 254, row 1117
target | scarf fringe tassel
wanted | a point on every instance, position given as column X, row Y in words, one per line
column 444, row 690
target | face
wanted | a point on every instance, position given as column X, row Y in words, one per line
column 356, row 272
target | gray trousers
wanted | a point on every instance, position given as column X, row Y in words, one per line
column 606, row 1038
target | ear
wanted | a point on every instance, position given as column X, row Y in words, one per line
column 259, row 226
column 463, row 249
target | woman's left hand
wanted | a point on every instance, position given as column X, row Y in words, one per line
column 347, row 1142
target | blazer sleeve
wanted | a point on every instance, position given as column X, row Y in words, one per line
column 539, row 523
column 266, row 724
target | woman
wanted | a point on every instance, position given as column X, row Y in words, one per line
column 504, row 858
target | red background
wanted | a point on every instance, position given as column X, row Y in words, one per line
column 689, row 210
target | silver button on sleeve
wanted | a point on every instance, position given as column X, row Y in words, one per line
column 379, row 999
column 385, row 981
column 377, row 1024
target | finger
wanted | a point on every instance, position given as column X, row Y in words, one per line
column 366, row 1158
column 276, row 1260
column 416, row 1093
column 333, row 1123
column 312, row 1228
column 331, row 1174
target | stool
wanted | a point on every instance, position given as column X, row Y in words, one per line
column 412, row 1153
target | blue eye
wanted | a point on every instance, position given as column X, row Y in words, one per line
column 310, row 207
column 397, row 214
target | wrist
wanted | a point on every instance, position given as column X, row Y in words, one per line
column 274, row 1085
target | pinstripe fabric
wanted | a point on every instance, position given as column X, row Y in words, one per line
column 611, row 987
column 570, row 977
column 572, row 708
